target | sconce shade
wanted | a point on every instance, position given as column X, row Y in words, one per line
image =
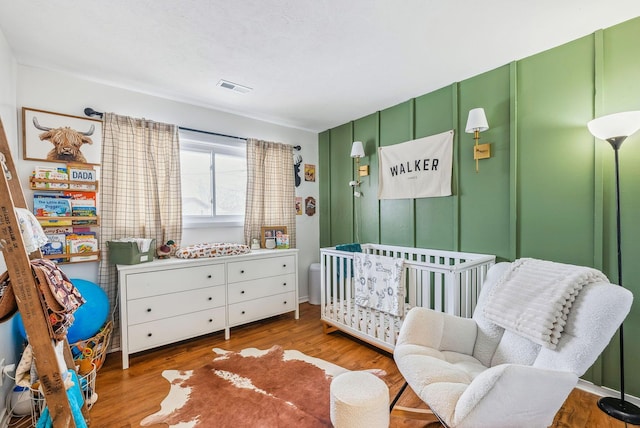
column 477, row 121
column 615, row 125
column 357, row 149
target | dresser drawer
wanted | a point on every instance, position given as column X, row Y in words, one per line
column 166, row 281
column 247, row 270
column 172, row 304
column 249, row 290
column 252, row 310
column 161, row 332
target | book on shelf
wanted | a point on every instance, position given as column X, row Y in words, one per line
column 81, row 172
column 50, row 173
column 80, row 195
column 51, row 206
column 82, row 243
column 83, row 211
column 57, row 222
column 52, row 230
column 56, row 245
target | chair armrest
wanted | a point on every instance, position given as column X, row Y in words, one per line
column 514, row 395
column 438, row 330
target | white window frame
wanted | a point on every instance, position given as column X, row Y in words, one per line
column 192, row 141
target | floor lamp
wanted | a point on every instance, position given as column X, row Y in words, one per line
column 614, row 129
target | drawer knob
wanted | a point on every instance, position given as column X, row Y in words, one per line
column 149, row 334
column 208, row 276
column 284, row 265
column 242, row 312
column 285, row 302
column 242, row 271
column 284, row 284
column 210, row 320
column 242, row 292
column 210, row 298
column 148, row 309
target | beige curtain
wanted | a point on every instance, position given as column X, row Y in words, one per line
column 139, row 190
column 270, row 189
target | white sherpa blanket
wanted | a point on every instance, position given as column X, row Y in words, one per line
column 534, row 297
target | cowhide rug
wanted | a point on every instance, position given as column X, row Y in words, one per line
column 253, row 387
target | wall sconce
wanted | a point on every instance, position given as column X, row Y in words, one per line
column 477, row 123
column 357, row 152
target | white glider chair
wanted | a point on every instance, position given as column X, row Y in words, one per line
column 473, row 373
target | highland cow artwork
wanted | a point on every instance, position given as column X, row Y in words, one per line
column 56, row 137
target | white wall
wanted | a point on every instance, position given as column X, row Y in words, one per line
column 8, row 335
column 52, row 91
column 22, row 86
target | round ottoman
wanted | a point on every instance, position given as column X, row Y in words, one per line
column 359, row 399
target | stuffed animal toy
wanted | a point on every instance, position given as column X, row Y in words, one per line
column 166, row 250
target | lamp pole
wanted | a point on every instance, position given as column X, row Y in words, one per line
column 619, row 408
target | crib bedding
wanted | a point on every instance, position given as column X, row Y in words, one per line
column 212, row 249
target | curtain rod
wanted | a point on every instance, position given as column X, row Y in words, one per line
column 91, row 112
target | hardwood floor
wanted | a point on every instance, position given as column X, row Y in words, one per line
column 127, row 396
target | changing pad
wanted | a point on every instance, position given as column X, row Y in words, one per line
column 214, row 249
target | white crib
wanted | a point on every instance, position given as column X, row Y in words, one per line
column 446, row 281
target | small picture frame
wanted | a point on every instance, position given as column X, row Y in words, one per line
column 268, row 232
column 61, row 138
column 298, row 205
column 309, row 172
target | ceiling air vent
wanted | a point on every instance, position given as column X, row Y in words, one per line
column 234, row 86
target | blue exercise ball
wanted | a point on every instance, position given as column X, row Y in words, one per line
column 89, row 317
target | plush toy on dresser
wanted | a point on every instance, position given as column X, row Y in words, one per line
column 166, row 250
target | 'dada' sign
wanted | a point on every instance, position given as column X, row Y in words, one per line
column 82, row 174
column 416, row 169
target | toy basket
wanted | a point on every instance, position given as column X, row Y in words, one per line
column 95, row 347
column 87, row 386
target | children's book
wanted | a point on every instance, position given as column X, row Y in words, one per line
column 282, row 241
column 56, row 245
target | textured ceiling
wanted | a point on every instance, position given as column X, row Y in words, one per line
column 313, row 64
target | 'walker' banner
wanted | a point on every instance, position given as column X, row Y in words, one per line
column 416, row 169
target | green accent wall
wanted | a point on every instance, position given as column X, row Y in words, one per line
column 484, row 195
column 340, row 172
column 367, row 208
column 548, row 189
column 620, row 89
column 556, row 154
column 397, row 216
column 324, row 184
column 436, row 224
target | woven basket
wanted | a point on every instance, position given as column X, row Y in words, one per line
column 95, row 347
column 8, row 305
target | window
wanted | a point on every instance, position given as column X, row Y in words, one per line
column 214, row 179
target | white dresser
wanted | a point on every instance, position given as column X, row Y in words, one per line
column 165, row 301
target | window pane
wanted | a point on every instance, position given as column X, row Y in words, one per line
column 231, row 184
column 197, row 192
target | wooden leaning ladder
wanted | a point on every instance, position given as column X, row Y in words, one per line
column 28, row 296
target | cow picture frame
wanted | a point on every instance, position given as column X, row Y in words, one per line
column 79, row 139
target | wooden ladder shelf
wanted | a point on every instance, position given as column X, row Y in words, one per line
column 28, row 296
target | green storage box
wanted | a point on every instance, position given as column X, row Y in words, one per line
column 128, row 253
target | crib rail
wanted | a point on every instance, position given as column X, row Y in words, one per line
column 445, row 281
